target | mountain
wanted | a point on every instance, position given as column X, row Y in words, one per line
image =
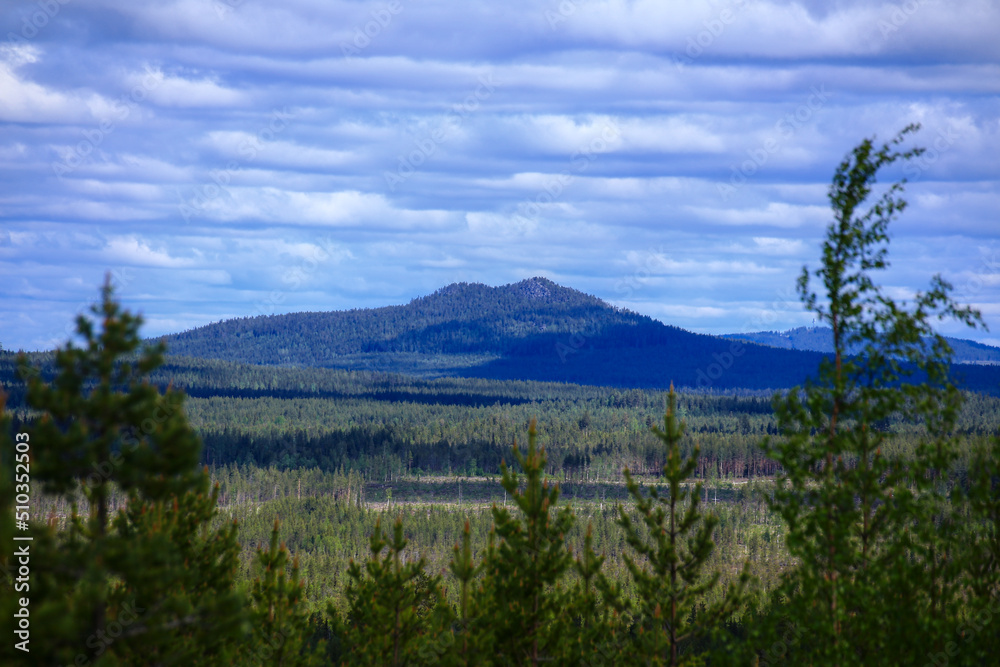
column 820, row 339
column 531, row 330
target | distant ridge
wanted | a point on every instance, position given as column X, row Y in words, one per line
column 534, row 329
column 820, row 339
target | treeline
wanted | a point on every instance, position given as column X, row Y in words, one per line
column 820, row 339
column 533, row 330
column 591, row 435
column 384, row 426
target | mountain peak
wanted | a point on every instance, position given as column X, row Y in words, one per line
column 535, row 288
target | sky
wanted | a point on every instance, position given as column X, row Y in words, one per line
column 231, row 158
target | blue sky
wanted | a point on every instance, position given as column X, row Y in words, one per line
column 224, row 158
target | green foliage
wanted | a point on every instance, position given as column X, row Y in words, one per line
column 524, row 569
column 475, row 636
column 385, row 427
column 591, row 630
column 278, row 617
column 152, row 582
column 869, row 522
column 397, row 614
column 977, row 637
column 892, row 522
column 673, row 548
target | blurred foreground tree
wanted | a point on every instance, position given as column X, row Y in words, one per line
column 875, row 528
column 147, row 583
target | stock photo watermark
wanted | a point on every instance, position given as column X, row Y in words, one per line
column 561, row 14
column 713, row 29
column 655, row 260
column 777, row 652
column 101, row 641
column 708, row 375
column 966, row 631
column 987, row 274
column 942, row 143
column 427, row 146
column 898, row 17
column 34, row 22
column 94, row 137
column 220, row 179
column 265, row 652
column 296, row 275
column 785, row 128
column 120, row 278
column 626, row 286
column 362, row 38
column 529, row 209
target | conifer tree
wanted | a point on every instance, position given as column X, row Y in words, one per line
column 151, row 583
column 976, row 639
column 474, row 643
column 278, row 617
column 673, row 546
column 590, row 630
column 397, row 614
column 869, row 523
column 524, row 596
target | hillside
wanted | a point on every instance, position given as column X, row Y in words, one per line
column 460, row 319
column 820, row 339
column 531, row 330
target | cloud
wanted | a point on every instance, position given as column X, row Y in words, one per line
column 130, row 250
column 247, row 157
column 777, row 246
column 176, row 91
column 285, row 154
column 323, row 209
column 24, row 101
column 775, row 214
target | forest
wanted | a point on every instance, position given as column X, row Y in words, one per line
column 178, row 510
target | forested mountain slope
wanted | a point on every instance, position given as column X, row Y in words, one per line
column 462, row 319
column 531, row 330
column 534, row 329
column 820, row 339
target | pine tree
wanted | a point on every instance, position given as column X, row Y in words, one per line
column 976, row 639
column 673, row 547
column 590, row 630
column 869, row 523
column 148, row 584
column 278, row 617
column 474, row 643
column 524, row 596
column 397, row 614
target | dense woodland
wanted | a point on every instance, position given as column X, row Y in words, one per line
column 194, row 512
column 388, row 426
